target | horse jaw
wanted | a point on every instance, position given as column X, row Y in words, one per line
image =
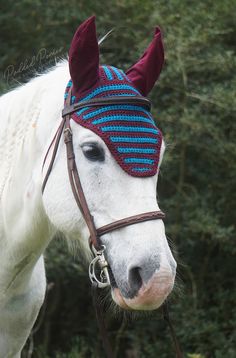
column 141, row 262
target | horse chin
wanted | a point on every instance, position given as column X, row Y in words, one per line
column 138, row 304
column 119, row 299
column 150, row 296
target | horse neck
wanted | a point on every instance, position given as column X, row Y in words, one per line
column 29, row 116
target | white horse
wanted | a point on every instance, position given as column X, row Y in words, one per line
column 139, row 256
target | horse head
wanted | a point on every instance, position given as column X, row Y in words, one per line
column 118, row 151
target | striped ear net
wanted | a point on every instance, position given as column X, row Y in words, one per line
column 129, row 131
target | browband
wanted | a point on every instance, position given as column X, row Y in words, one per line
column 135, row 100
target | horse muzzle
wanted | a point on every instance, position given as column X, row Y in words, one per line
column 149, row 296
column 140, row 287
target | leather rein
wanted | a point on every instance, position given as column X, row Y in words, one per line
column 99, row 262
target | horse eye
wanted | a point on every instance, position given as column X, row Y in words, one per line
column 93, row 152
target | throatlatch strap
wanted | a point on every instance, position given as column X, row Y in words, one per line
column 57, row 137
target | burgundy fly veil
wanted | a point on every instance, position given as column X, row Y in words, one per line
column 128, row 130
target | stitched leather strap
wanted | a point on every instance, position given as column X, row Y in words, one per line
column 76, row 184
column 131, row 220
column 135, row 100
column 57, row 139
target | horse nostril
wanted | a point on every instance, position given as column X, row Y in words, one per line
column 135, row 280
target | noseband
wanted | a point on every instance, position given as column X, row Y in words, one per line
column 99, row 261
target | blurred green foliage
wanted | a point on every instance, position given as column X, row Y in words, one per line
column 194, row 104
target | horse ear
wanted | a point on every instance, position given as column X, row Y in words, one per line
column 146, row 71
column 84, row 57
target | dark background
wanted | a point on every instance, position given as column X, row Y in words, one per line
column 194, row 104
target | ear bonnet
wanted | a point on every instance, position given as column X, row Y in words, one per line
column 129, row 131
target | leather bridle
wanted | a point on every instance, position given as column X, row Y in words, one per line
column 94, row 233
column 99, row 261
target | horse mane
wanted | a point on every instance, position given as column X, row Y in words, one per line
column 22, row 108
